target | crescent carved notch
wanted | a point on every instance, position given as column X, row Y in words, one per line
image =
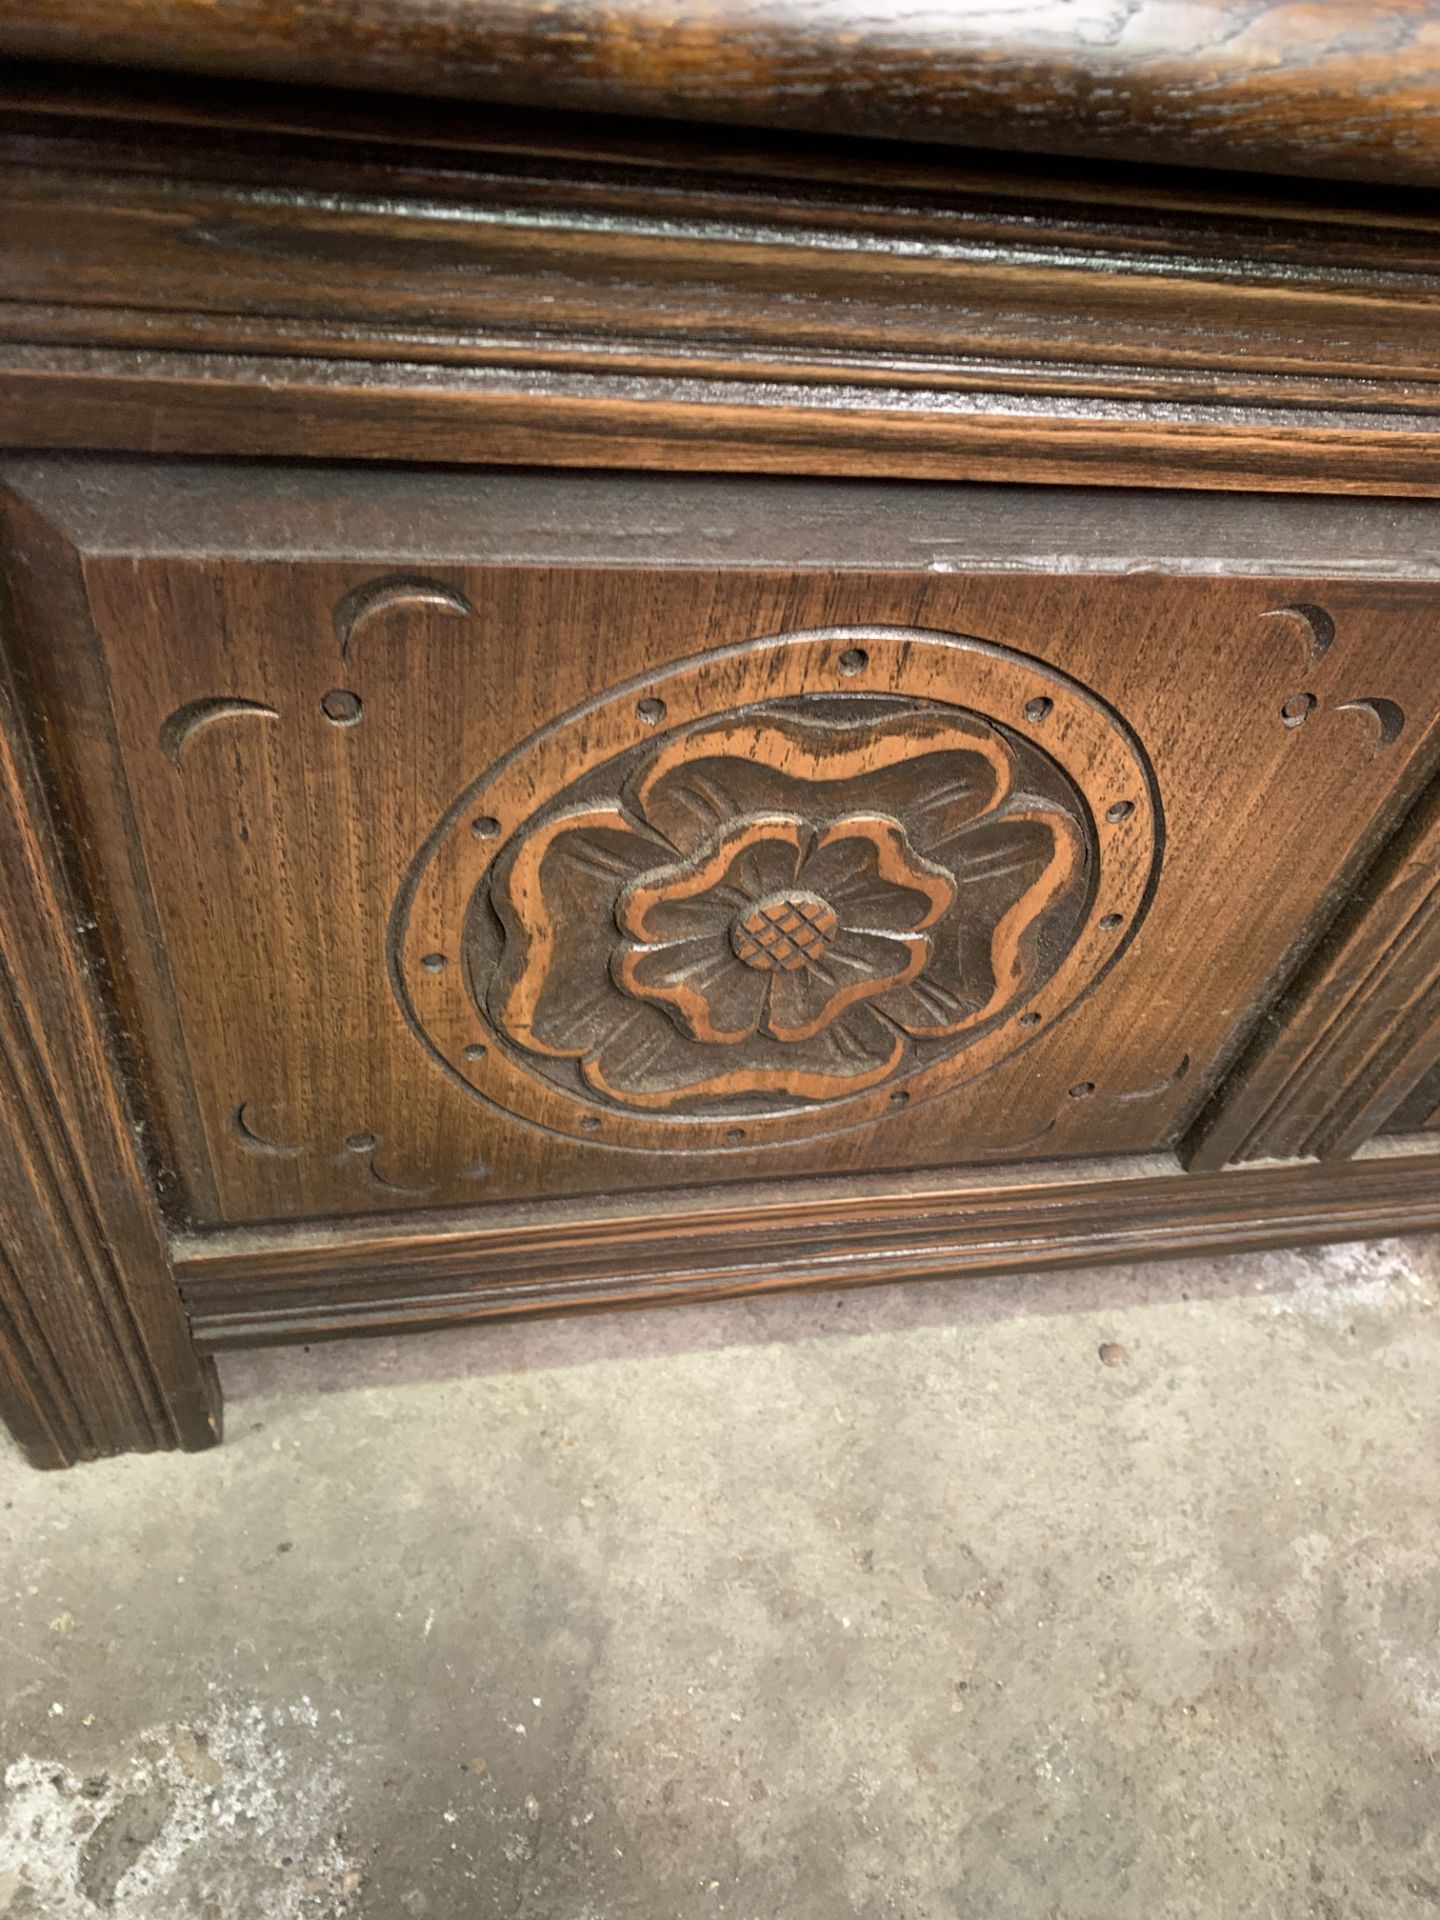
column 1160, row 1086
column 244, row 1135
column 1319, row 628
column 374, row 597
column 176, row 731
column 1389, row 718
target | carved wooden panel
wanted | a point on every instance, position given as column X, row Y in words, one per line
column 692, row 919
column 461, row 839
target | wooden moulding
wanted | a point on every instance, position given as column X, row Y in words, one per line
column 95, row 1350
column 1347, row 89
column 225, row 273
column 1358, row 1032
column 1419, row 1111
column 244, row 1286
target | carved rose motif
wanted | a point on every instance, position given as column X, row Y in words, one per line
column 782, row 906
column 779, row 925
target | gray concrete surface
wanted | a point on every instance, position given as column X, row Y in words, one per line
column 1105, row 1595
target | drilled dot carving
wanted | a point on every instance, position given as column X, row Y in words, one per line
column 341, row 707
column 652, row 712
column 853, row 660
column 1298, row 709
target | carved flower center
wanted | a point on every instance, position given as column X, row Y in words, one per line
column 787, row 931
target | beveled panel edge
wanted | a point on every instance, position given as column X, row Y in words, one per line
column 105, row 505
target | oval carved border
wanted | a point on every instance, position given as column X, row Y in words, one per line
column 480, row 848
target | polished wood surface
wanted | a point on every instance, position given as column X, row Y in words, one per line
column 1338, row 87
column 460, row 839
column 1358, row 1034
column 232, row 274
column 95, row 1350
column 318, row 1280
column 405, row 851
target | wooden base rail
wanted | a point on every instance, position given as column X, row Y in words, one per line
column 251, row 1285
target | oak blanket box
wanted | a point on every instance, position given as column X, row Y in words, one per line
column 649, row 653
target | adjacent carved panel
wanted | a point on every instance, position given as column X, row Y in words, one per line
column 738, row 928
column 1351, row 1044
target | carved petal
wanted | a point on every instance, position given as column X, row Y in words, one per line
column 857, row 967
column 1011, row 868
column 715, row 996
column 866, row 868
column 701, row 896
column 555, row 897
column 935, row 770
column 656, row 1066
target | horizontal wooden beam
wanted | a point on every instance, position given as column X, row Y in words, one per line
column 218, row 286
column 334, row 410
column 1346, row 89
column 249, row 1285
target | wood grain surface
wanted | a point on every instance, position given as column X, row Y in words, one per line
column 95, row 1349
column 1355, row 1038
column 398, row 861
column 1336, row 87
column 243, row 276
column 436, row 819
column 1420, row 1110
column 246, row 1286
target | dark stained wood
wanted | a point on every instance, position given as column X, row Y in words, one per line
column 221, row 285
column 1359, row 1029
column 95, row 1349
column 253, row 407
column 188, row 508
column 1420, row 1110
column 432, row 818
column 403, row 852
column 256, row 1284
column 1342, row 88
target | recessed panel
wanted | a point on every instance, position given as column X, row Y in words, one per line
column 442, row 869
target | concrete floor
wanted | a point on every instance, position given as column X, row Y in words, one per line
column 1110, row 1594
